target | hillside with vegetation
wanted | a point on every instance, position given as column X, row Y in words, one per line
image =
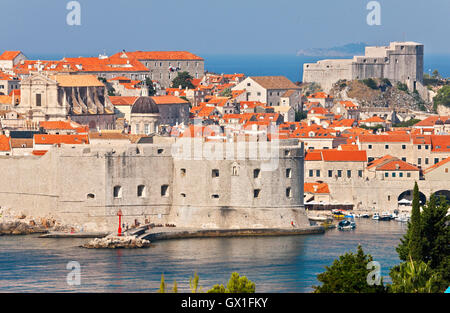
column 379, row 93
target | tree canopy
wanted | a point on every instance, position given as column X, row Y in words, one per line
column 183, row 79
column 236, row 284
column 443, row 97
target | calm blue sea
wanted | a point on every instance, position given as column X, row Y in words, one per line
column 290, row 66
column 275, row 264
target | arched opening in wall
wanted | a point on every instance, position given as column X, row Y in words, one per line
column 141, row 191
column 408, row 195
column 117, row 192
column 90, row 196
column 445, row 193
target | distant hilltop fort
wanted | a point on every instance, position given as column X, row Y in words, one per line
column 400, row 61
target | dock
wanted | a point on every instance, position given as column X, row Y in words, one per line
column 166, row 233
column 75, row 235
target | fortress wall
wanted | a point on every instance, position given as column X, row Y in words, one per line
column 327, row 72
column 76, row 187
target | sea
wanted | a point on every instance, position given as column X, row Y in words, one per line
column 289, row 65
column 275, row 264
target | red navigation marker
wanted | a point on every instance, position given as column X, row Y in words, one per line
column 119, row 230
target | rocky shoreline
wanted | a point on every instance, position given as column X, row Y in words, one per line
column 12, row 223
column 116, row 242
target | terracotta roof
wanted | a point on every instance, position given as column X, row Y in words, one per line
column 168, row 100
column 39, row 152
column 397, row 165
column 385, row 138
column 430, row 121
column 381, row 160
column 58, row 139
column 373, row 119
column 440, row 143
column 159, row 55
column 9, row 55
column 316, row 188
column 319, row 95
column 77, row 80
column 21, row 143
column 57, row 125
column 274, row 82
column 5, row 143
column 435, row 166
column 344, row 156
column 5, row 99
column 117, row 100
column 108, row 136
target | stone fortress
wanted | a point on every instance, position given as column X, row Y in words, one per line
column 400, row 62
column 86, row 185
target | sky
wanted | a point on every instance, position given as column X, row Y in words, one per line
column 218, row 27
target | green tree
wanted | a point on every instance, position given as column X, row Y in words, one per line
column 411, row 243
column 194, row 283
column 183, row 79
column 442, row 97
column 175, row 286
column 236, row 284
column 436, row 74
column 436, row 237
column 348, row 274
column 226, row 93
column 413, row 277
column 300, row 115
column 402, row 87
column 162, row 286
column 369, row 82
column 151, row 89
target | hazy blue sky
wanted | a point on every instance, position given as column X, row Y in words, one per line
column 218, row 27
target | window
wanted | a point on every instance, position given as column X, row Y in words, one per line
column 183, row 171
column 234, row 171
column 403, row 147
column 38, row 99
column 289, row 192
column 330, row 173
column 389, row 198
column 183, row 195
column 426, row 160
column 426, row 147
column 215, row 173
column 256, row 193
column 137, row 128
column 419, row 147
column 146, row 129
column 404, row 159
column 446, row 170
column 258, row 93
column 117, row 192
column 311, row 173
column 288, row 173
column 256, row 173
column 160, row 151
column 393, row 174
column 386, row 146
column 164, row 190
column 360, row 172
column 419, row 161
column 408, row 174
column 215, row 196
column 349, row 173
column 90, row 196
column 248, row 84
column 369, row 147
column 317, row 173
column 339, row 173
column 141, row 191
column 400, row 174
column 436, row 160
column 386, row 174
column 287, row 152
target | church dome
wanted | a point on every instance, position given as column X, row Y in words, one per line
column 447, row 121
column 439, row 122
column 145, row 105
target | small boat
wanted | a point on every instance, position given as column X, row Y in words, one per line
column 376, row 216
column 365, row 215
column 403, row 218
column 320, row 218
column 385, row 216
column 351, row 215
column 346, row 224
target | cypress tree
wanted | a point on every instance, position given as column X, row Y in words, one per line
column 415, row 241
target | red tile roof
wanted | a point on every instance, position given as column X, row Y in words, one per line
column 5, row 143
column 437, row 165
column 46, row 139
column 9, row 55
column 316, row 188
column 159, row 55
column 397, row 165
column 385, row 138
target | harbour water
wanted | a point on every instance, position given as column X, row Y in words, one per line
column 275, row 264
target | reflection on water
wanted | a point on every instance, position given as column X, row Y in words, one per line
column 275, row 264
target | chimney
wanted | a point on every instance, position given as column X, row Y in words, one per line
column 315, row 188
column 397, row 166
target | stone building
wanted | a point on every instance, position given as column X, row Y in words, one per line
column 399, row 62
column 56, row 97
column 272, row 90
column 144, row 116
column 150, row 182
column 163, row 66
column 9, row 59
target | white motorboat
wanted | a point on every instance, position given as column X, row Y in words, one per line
column 376, row 216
